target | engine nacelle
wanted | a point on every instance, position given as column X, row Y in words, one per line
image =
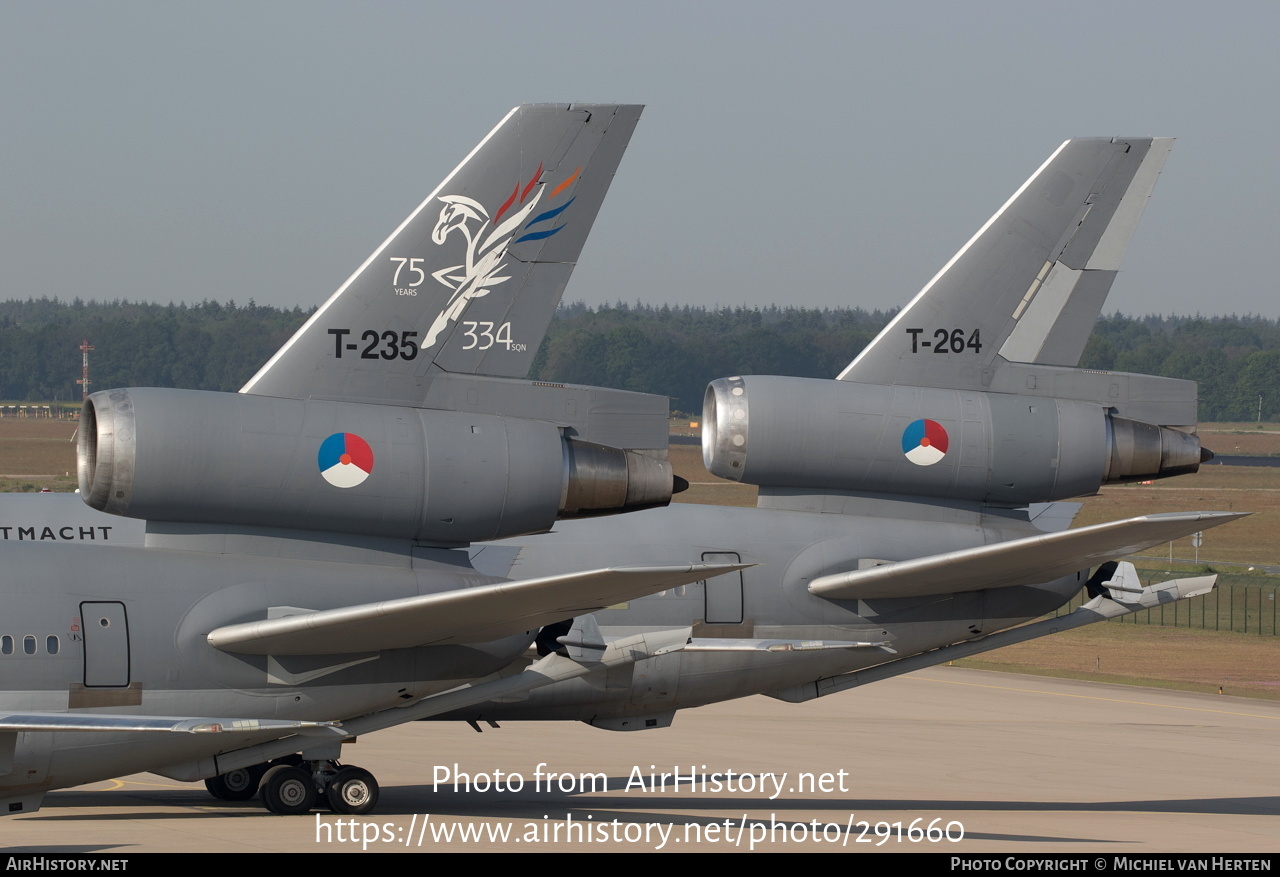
column 440, row 477
column 949, row 444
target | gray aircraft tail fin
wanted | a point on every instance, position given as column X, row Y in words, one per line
column 1028, row 287
column 972, row 395
column 469, row 282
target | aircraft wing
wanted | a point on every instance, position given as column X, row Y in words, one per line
column 468, row 615
column 1016, row 562
column 50, row 721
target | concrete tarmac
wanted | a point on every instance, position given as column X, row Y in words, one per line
column 984, row 762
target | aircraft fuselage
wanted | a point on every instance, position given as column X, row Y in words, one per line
column 768, row 601
column 122, row 630
column 125, row 645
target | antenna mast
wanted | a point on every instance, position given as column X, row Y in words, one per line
column 84, row 367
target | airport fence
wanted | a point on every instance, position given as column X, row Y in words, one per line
column 1238, row 608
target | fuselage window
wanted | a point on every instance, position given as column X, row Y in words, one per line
column 29, row 645
column 6, row 645
column 51, row 645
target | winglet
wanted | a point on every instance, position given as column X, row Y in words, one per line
column 469, row 282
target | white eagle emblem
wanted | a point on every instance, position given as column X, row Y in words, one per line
column 487, row 244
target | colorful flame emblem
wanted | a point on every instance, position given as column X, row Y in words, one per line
column 345, row 459
column 924, row 442
column 545, row 216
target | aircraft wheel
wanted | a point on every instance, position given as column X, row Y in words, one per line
column 353, row 790
column 288, row 790
column 236, row 785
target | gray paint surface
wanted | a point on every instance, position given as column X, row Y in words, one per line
column 1039, row 268
column 511, row 219
column 255, row 563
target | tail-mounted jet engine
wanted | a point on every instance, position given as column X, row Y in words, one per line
column 995, row 448
column 436, row 476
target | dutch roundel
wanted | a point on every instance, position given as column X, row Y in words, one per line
column 924, row 442
column 345, row 459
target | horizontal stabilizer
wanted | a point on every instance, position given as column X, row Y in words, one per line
column 47, row 721
column 1016, row 562
column 467, row 615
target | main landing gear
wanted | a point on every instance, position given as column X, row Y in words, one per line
column 236, row 785
column 291, row 786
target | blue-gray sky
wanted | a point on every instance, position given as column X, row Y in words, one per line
column 818, row 154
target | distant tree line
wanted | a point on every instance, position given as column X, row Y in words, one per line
column 209, row 346
column 677, row 351
column 672, row 351
column 1235, row 359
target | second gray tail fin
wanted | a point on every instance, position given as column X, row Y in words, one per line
column 1030, row 284
column 469, row 282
